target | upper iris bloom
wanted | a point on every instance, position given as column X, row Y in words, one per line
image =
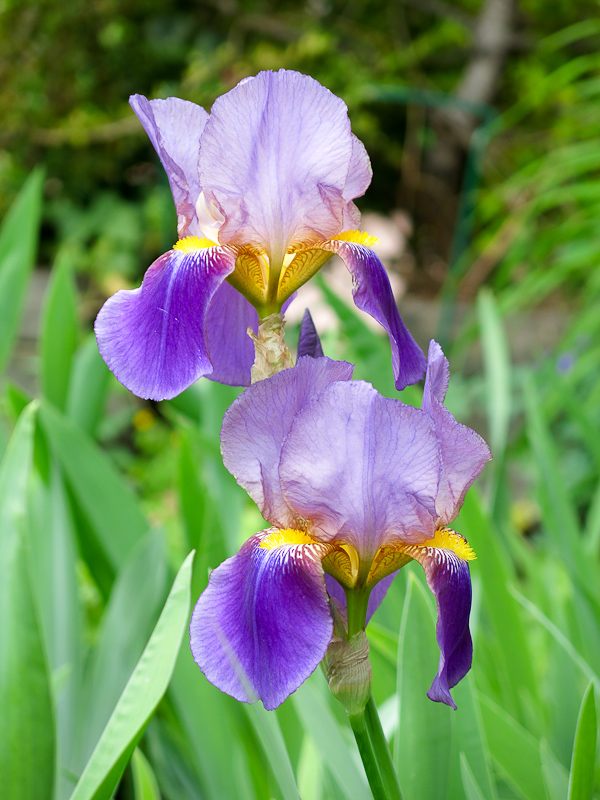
column 355, row 485
column 263, row 188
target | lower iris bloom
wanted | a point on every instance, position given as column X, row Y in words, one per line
column 264, row 189
column 355, row 486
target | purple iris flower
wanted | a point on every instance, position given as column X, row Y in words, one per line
column 355, row 486
column 263, row 188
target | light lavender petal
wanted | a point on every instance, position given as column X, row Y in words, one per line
column 175, row 127
column 153, row 337
column 357, row 183
column 364, row 469
column 263, row 624
column 464, row 453
column 256, row 424
column 275, row 156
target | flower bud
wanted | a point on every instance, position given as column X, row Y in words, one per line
column 348, row 671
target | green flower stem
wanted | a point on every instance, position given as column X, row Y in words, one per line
column 365, row 748
column 366, row 725
column 382, row 751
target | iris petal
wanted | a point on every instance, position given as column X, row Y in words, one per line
column 372, row 293
column 263, row 624
column 464, row 453
column 376, row 477
column 275, row 156
column 309, row 343
column 153, row 337
column 449, row 579
column 231, row 349
column 174, row 127
column 256, row 424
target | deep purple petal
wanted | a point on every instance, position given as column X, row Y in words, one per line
column 449, row 579
column 275, row 156
column 256, row 424
column 309, row 343
column 378, row 592
column 372, row 293
column 231, row 349
column 174, row 127
column 464, row 453
column 263, row 624
column 153, row 337
column 362, row 468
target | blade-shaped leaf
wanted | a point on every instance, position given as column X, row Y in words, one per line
column 60, row 331
column 105, row 498
column 18, row 246
column 422, row 752
column 27, row 727
column 143, row 692
column 88, row 386
column 581, row 780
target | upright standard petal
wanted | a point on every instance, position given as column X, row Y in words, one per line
column 275, row 156
column 263, row 624
column 257, row 422
column 464, row 453
column 377, row 477
column 447, row 572
column 174, row 127
column 372, row 293
column 357, row 183
column 153, row 338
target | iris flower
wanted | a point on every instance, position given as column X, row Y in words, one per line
column 354, row 486
column 263, row 188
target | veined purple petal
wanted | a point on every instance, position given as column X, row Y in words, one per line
column 362, row 468
column 256, row 424
column 226, row 324
column 464, row 453
column 275, row 156
column 378, row 592
column 263, row 624
column 174, row 127
column 449, row 579
column 372, row 293
column 309, row 343
column 153, row 338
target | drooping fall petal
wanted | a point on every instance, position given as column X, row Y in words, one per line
column 372, row 293
column 263, row 624
column 153, row 337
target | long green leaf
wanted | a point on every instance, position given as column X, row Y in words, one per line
column 324, row 730
column 143, row 692
column 514, row 750
column 107, row 501
column 267, row 729
column 581, row 780
column 27, row 740
column 422, row 752
column 60, row 332
column 18, row 245
column 133, row 609
column 88, row 386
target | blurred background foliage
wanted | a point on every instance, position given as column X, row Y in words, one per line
column 482, row 120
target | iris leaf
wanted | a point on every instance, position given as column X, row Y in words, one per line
column 60, row 331
column 143, row 692
column 581, row 780
column 27, row 732
column 18, row 245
